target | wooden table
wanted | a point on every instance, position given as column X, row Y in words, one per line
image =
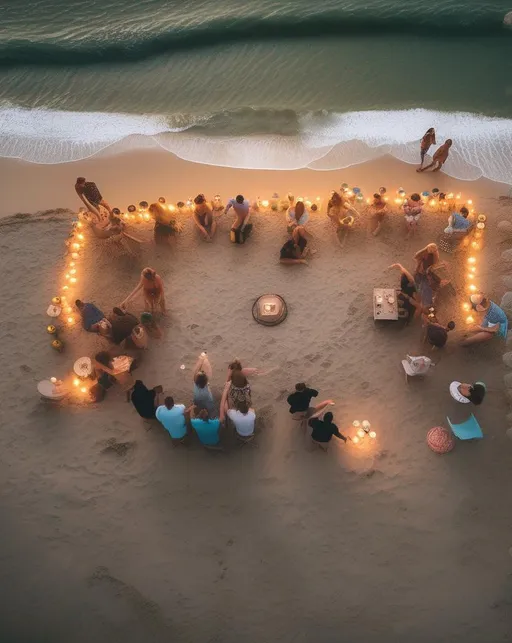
column 385, row 305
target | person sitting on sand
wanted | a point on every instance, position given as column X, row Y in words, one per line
column 300, row 401
column 494, row 323
column 412, row 210
column 206, row 427
column 426, row 259
column 429, row 139
column 241, row 228
column 172, row 418
column 295, row 250
column 243, row 418
column 466, row 393
column 203, row 398
column 323, row 430
column 436, row 334
column 146, row 401
column 166, row 227
column 296, row 215
column 338, row 209
column 378, row 209
column 91, row 315
column 458, row 222
column 239, row 390
column 408, row 295
column 203, row 217
column 91, row 196
column 111, row 367
column 152, row 288
column 121, row 325
column 114, row 232
column 439, row 158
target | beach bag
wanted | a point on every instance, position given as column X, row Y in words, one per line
column 419, row 365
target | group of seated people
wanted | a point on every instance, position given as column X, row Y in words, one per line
column 417, row 294
column 203, row 416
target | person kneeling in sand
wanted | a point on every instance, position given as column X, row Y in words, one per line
column 91, row 316
column 203, row 218
column 300, row 401
column 323, row 430
column 494, row 323
column 295, row 250
column 378, row 209
column 412, row 210
column 458, row 222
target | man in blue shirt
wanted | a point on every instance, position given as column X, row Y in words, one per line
column 458, row 222
column 172, row 417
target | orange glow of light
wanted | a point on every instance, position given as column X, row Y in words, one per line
column 372, row 434
column 79, row 224
column 472, row 269
column 470, row 276
column 71, row 320
column 355, row 439
column 264, row 204
column 76, row 246
column 65, row 287
column 71, row 264
column 83, row 389
column 472, row 288
column 66, row 276
column 172, row 208
column 470, row 319
column 73, row 280
column 470, row 202
column 466, row 306
column 73, row 271
column 80, row 236
column 76, row 382
column 475, row 246
column 471, row 260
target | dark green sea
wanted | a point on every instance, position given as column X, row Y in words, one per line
column 263, row 84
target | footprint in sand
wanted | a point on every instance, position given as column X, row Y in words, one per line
column 119, row 448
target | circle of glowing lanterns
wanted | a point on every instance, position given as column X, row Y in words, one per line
column 363, row 429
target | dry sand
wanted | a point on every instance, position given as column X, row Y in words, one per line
column 110, row 534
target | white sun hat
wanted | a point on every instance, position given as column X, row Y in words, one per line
column 456, row 394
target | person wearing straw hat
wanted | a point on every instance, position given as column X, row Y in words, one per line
column 494, row 323
column 466, row 393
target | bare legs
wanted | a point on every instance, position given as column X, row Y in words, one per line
column 477, row 338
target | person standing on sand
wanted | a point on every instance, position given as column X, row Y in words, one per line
column 429, row 138
column 439, row 158
column 300, row 401
column 203, row 218
column 91, row 196
column 172, row 417
column 153, row 290
column 323, row 430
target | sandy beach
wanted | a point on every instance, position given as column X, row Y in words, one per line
column 109, row 533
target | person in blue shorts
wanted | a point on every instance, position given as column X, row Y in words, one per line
column 494, row 323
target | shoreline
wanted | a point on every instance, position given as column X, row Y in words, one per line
column 133, row 176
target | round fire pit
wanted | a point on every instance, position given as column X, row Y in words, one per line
column 269, row 310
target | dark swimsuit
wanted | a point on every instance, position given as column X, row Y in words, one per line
column 92, row 194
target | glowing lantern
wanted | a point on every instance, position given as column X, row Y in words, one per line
column 470, row 319
column 83, row 389
column 76, row 382
column 471, row 260
column 51, row 329
column 355, row 439
column 71, row 320
column 372, row 434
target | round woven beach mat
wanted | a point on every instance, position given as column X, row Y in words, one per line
column 440, row 440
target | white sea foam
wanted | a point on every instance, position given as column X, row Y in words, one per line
column 482, row 145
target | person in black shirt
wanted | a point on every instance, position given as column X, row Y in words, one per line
column 323, row 430
column 437, row 334
column 300, row 402
column 408, row 295
column 146, row 400
column 90, row 195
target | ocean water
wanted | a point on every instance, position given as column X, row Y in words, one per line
column 258, row 83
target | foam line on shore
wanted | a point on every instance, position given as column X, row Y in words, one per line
column 324, row 140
